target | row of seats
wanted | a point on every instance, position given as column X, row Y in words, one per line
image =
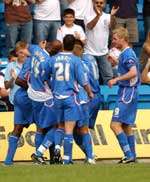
column 110, row 97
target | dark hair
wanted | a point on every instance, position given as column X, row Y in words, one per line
column 79, row 42
column 12, row 54
column 68, row 42
column 69, row 11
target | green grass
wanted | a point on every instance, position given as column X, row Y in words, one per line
column 74, row 173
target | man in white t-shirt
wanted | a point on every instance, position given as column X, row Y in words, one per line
column 98, row 24
column 81, row 7
column 46, row 20
column 69, row 27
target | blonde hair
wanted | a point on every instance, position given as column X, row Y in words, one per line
column 21, row 45
column 122, row 33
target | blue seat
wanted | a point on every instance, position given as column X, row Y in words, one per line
column 3, row 63
column 144, row 97
column 1, row 7
column 110, row 95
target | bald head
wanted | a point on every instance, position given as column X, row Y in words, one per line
column 54, row 47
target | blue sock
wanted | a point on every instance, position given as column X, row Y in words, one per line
column 46, row 143
column 87, row 143
column 131, row 141
column 122, row 139
column 68, row 141
column 59, row 137
column 12, row 142
column 79, row 141
column 38, row 139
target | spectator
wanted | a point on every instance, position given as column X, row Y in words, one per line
column 127, row 17
column 81, row 7
column 3, row 91
column 14, row 68
column 12, row 57
column 98, row 24
column 145, row 53
column 69, row 27
column 4, row 101
column 145, row 77
column 46, row 20
column 18, row 22
column 63, row 5
column 146, row 15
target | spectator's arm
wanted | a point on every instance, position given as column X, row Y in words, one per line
column 112, row 17
column 144, row 76
column 7, row 1
column 90, row 25
column 93, row 22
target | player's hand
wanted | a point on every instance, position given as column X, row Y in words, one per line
column 13, row 74
column 114, row 10
column 112, row 82
column 91, row 95
column 77, row 35
column 112, row 60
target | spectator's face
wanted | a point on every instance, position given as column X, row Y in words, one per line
column 69, row 19
column 117, row 42
column 78, row 50
column 22, row 54
column 100, row 4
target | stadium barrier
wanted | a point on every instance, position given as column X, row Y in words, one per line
column 105, row 143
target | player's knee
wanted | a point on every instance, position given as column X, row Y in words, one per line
column 113, row 127
column 116, row 127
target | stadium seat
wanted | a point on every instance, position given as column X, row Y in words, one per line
column 1, row 7
column 144, row 97
column 110, row 96
column 3, row 63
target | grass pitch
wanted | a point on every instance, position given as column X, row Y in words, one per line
column 75, row 173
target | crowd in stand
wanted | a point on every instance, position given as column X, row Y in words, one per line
column 33, row 21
